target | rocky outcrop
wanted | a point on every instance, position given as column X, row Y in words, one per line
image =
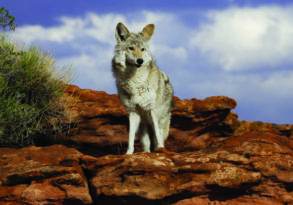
column 42, row 175
column 210, row 158
column 100, row 122
column 252, row 168
column 250, row 126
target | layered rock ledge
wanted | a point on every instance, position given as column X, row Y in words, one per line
column 211, row 157
column 42, row 175
column 100, row 122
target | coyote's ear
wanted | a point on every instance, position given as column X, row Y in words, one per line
column 121, row 33
column 148, row 31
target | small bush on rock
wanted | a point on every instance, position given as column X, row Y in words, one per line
column 29, row 94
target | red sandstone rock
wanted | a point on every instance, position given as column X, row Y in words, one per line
column 210, row 158
column 250, row 126
column 42, row 175
column 243, row 200
column 250, row 168
column 101, row 122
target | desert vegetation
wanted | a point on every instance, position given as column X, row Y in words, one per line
column 30, row 91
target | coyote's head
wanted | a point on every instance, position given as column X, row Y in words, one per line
column 133, row 47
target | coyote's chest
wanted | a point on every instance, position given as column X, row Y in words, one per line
column 140, row 92
column 137, row 88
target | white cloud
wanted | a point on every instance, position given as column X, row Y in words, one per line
column 247, row 38
column 86, row 72
column 87, row 42
column 98, row 27
column 60, row 34
column 101, row 27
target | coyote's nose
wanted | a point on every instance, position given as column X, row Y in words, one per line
column 139, row 61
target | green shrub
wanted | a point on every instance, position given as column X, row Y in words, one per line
column 29, row 93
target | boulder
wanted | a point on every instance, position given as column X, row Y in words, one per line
column 42, row 175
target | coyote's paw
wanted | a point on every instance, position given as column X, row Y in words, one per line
column 130, row 151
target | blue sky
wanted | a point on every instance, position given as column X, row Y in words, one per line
column 239, row 48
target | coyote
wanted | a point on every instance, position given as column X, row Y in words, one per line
column 144, row 90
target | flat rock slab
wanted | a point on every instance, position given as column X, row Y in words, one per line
column 42, row 175
column 254, row 168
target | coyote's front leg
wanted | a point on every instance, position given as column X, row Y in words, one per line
column 157, row 130
column 134, row 120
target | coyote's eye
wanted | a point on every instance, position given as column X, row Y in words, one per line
column 131, row 48
column 143, row 49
